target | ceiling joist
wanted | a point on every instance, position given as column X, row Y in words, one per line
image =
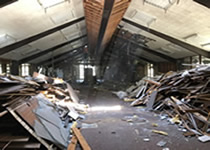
column 106, row 15
column 28, row 40
column 63, row 56
column 58, row 62
column 185, row 45
column 27, row 59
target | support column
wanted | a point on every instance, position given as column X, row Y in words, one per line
column 200, row 59
column 14, row 69
column 4, row 67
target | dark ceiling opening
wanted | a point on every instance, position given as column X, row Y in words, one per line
column 4, row 3
column 205, row 3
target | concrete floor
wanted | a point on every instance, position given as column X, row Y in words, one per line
column 110, row 130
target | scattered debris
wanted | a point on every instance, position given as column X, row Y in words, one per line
column 129, row 99
column 204, row 138
column 166, row 148
column 146, row 139
column 175, row 120
column 120, row 94
column 182, row 96
column 154, row 124
column 45, row 107
column 161, row 143
column 135, row 119
column 86, row 125
column 160, row 132
column 137, row 131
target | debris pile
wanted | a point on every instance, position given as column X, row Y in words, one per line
column 184, row 96
column 37, row 112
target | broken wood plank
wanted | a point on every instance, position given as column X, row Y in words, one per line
column 7, row 138
column 29, row 129
column 151, row 100
column 3, row 113
column 81, row 139
column 73, row 143
column 20, row 146
column 153, row 82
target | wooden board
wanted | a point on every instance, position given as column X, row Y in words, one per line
column 73, row 143
column 81, row 139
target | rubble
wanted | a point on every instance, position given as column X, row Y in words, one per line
column 41, row 109
column 183, row 96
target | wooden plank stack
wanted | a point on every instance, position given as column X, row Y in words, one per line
column 184, row 96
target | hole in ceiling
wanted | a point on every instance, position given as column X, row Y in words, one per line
column 205, row 3
column 4, row 3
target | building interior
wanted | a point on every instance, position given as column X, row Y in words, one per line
column 101, row 48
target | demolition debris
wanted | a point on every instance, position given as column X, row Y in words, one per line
column 38, row 112
column 183, row 96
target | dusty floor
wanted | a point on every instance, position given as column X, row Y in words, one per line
column 114, row 130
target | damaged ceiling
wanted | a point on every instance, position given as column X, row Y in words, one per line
column 24, row 18
column 173, row 26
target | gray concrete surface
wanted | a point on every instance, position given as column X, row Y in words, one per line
column 114, row 132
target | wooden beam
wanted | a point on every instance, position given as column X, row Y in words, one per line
column 27, row 145
column 58, row 62
column 66, row 54
column 21, row 43
column 81, row 139
column 108, row 6
column 27, row 59
column 73, row 143
column 185, row 45
column 106, row 15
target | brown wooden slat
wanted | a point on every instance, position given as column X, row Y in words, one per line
column 81, row 139
column 21, row 145
column 102, row 19
column 73, row 143
column 7, row 138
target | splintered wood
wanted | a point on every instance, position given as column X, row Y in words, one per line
column 184, row 96
column 81, row 139
column 39, row 108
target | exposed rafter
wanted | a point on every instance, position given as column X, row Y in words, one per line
column 21, row 43
column 63, row 56
column 102, row 18
column 185, row 45
column 58, row 62
column 27, row 59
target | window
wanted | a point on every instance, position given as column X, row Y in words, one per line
column 81, row 72
column 150, row 70
column 1, row 69
column 8, row 68
column 25, row 69
column 93, row 69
